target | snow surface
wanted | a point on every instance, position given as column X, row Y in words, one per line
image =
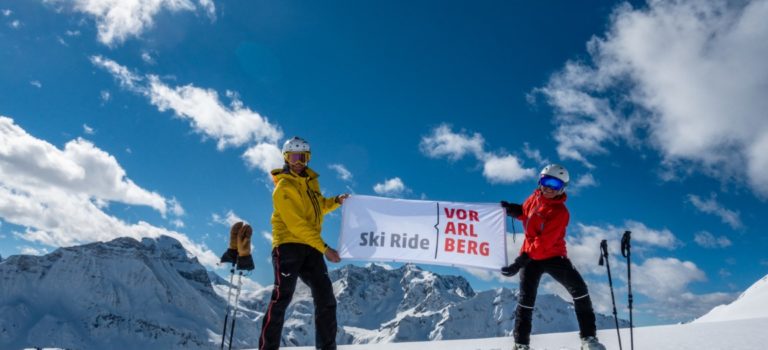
column 728, row 335
column 753, row 303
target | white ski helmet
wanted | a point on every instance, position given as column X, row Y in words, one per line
column 296, row 144
column 557, row 171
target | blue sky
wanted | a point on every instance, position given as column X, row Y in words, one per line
column 163, row 117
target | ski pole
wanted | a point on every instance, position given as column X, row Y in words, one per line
column 625, row 251
column 604, row 257
column 229, row 300
column 234, row 314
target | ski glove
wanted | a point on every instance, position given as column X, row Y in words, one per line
column 244, row 260
column 513, row 209
column 519, row 263
column 245, row 263
column 230, row 256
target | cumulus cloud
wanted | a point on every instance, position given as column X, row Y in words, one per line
column 444, row 143
column 27, row 250
column 665, row 281
column 264, row 156
column 583, row 181
column 88, row 130
column 59, row 195
column 711, row 206
column 117, row 20
column 341, row 171
column 391, row 187
column 228, row 219
column 708, row 240
column 36, row 84
column 685, row 77
column 231, row 125
column 506, row 169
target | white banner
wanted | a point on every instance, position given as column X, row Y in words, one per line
column 442, row 233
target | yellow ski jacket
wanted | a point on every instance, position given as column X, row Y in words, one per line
column 298, row 209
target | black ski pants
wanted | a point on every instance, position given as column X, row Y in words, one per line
column 292, row 261
column 561, row 269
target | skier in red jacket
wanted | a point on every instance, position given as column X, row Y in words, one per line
column 545, row 219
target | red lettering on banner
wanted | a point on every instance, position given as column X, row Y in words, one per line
column 472, row 247
column 463, row 246
column 484, row 249
column 459, row 245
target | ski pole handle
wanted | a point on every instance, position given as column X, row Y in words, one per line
column 625, row 245
column 603, row 252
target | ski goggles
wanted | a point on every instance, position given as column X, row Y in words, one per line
column 551, row 182
column 297, row 157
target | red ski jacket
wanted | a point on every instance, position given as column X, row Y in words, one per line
column 544, row 222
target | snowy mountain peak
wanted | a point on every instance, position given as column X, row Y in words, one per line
column 122, row 291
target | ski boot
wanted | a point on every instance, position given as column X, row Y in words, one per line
column 591, row 343
column 521, row 347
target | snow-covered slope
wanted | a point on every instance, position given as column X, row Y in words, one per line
column 753, row 303
column 728, row 335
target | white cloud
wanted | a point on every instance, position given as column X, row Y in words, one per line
column 105, row 96
column 708, row 240
column 30, row 164
column 117, row 20
column 6, row 12
column 36, row 84
column 506, row 169
column 534, row 154
column 665, row 281
column 58, row 194
column 177, row 223
column 231, row 126
column 392, row 187
column 711, row 206
column 690, row 75
column 443, row 142
column 147, row 58
column 341, row 171
column 15, row 24
column 229, row 219
column 88, row 130
column 27, row 250
column 127, row 79
column 176, row 207
column 264, row 156
column 584, row 243
column 583, row 181
column 72, row 33
column 267, row 236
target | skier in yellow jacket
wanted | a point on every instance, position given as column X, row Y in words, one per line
column 298, row 248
